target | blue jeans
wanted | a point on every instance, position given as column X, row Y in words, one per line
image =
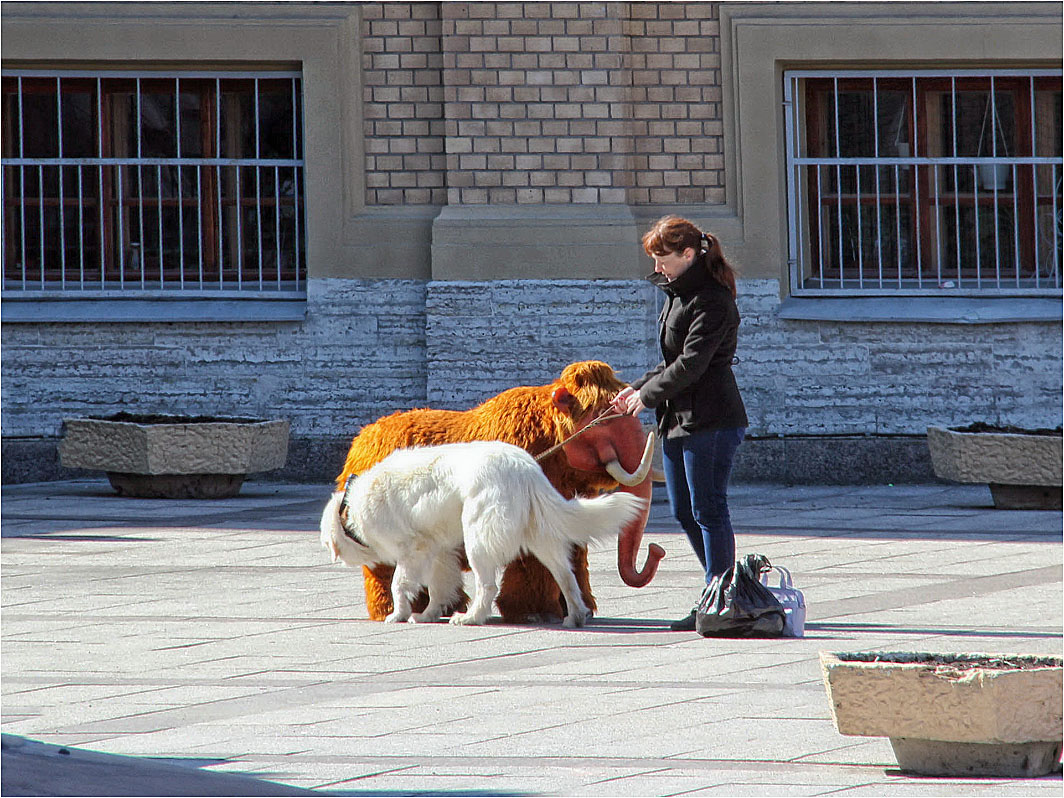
column 697, row 468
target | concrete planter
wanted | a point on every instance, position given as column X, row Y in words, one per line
column 1023, row 469
column 174, row 457
column 952, row 714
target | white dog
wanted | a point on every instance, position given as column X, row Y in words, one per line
column 418, row 507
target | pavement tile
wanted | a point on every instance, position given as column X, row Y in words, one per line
column 218, row 635
column 1028, row 787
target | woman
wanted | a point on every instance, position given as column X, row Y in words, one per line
column 693, row 392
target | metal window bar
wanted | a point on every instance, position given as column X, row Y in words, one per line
column 1016, row 225
column 1055, row 181
column 916, row 182
column 1034, row 183
column 180, row 193
column 239, row 211
column 62, row 210
column 99, row 170
column 930, row 201
column 875, row 150
column 938, row 230
column 956, row 184
column 277, row 220
column 121, row 265
column 121, row 227
column 838, row 179
column 860, row 229
column 199, row 222
column 140, row 262
column 297, row 150
column 993, row 154
column 218, row 177
column 258, row 183
column 81, row 230
column 3, row 230
column 40, row 218
column 159, row 216
column 978, row 237
column 22, row 183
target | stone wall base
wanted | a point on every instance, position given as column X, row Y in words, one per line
column 798, row 460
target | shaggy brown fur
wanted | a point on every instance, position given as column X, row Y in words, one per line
column 526, row 417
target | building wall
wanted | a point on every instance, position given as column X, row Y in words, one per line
column 368, row 348
column 479, row 175
column 361, row 351
column 527, row 103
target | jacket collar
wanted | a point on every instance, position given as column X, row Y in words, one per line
column 692, row 280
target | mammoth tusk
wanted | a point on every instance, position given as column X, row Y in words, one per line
column 616, row 470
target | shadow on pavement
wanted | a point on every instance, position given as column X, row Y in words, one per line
column 34, row 768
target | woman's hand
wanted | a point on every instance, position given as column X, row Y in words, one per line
column 628, row 402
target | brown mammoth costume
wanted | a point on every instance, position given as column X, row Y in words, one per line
column 535, row 418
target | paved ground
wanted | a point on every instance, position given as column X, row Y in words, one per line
column 210, row 638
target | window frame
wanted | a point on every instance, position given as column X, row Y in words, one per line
column 287, row 285
column 802, row 197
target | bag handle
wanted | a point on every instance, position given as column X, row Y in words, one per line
column 785, row 577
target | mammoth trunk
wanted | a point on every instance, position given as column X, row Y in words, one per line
column 619, row 447
column 630, row 539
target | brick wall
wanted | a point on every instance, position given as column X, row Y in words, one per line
column 402, row 104
column 517, row 103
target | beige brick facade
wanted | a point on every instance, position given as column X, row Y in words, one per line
column 529, row 103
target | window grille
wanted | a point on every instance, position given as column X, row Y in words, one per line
column 918, row 182
column 151, row 183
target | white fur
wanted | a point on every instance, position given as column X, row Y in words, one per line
column 418, row 507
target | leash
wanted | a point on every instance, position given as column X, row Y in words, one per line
column 601, row 418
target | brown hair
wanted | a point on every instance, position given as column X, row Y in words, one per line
column 675, row 234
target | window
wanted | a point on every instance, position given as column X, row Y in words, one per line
column 923, row 183
column 122, row 184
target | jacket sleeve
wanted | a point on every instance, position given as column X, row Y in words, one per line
column 654, row 372
column 709, row 325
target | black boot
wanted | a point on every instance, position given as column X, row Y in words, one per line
column 684, row 624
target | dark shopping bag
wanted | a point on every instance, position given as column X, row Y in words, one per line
column 736, row 604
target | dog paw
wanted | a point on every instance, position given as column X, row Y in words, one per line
column 424, row 617
column 396, row 617
column 573, row 621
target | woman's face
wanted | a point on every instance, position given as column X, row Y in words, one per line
column 673, row 264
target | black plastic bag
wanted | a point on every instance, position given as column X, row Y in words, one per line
column 736, row 604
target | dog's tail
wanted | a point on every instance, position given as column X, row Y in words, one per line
column 331, row 529
column 584, row 520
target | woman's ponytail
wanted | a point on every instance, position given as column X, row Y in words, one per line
column 716, row 264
